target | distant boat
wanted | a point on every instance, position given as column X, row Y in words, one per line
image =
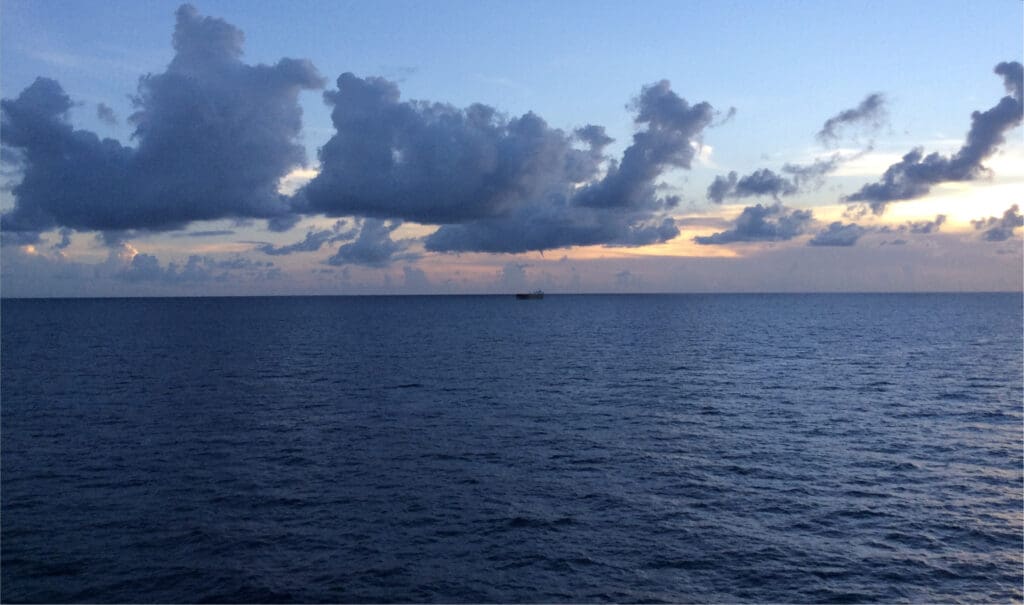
column 535, row 295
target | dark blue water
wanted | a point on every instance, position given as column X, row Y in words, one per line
column 798, row 448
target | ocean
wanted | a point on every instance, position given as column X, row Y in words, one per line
column 632, row 448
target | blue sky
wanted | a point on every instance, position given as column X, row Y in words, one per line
column 786, row 67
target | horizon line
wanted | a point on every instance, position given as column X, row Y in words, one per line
column 512, row 294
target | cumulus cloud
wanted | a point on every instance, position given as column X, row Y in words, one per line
column 838, row 234
column 313, row 241
column 594, row 136
column 766, row 182
column 374, row 247
column 498, row 184
column 105, row 114
column 146, row 267
column 214, row 136
column 760, row 182
column 65, row 239
column 795, row 178
column 870, row 114
column 762, row 223
column 925, row 227
column 197, row 269
column 915, row 174
column 1000, row 229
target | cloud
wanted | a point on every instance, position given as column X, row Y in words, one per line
column 715, row 222
column 197, row 269
column 65, row 239
column 415, row 279
column 215, row 136
column 211, row 233
column 1000, row 229
column 313, row 241
column 146, row 268
column 766, row 182
column 795, row 178
column 498, row 184
column 374, row 246
column 105, row 114
column 838, row 234
column 759, row 182
column 915, row 174
column 594, row 136
column 924, row 227
column 870, row 113
column 762, row 224
column 513, row 276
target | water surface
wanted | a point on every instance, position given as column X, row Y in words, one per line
column 579, row 448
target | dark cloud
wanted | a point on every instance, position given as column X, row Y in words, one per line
column 795, row 178
column 497, row 184
column 856, row 211
column 313, row 241
column 19, row 238
column 105, row 114
column 915, row 174
column 116, row 238
column 65, row 239
column 146, row 268
column 760, row 182
column 1000, row 229
column 722, row 187
column 729, row 115
column 214, row 137
column 594, row 136
column 838, row 234
column 554, row 226
column 212, row 233
column 239, row 263
column 374, row 247
column 197, row 269
column 766, row 182
column 284, row 222
column 809, row 175
column 924, row 227
column 762, row 224
column 870, row 113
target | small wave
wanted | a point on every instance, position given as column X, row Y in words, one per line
column 862, row 513
column 679, row 563
column 524, row 522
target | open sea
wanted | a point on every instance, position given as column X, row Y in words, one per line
column 679, row 448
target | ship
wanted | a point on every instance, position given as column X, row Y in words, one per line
column 535, row 295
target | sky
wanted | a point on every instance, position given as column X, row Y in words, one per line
column 273, row 148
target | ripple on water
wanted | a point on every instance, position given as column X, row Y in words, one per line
column 589, row 448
